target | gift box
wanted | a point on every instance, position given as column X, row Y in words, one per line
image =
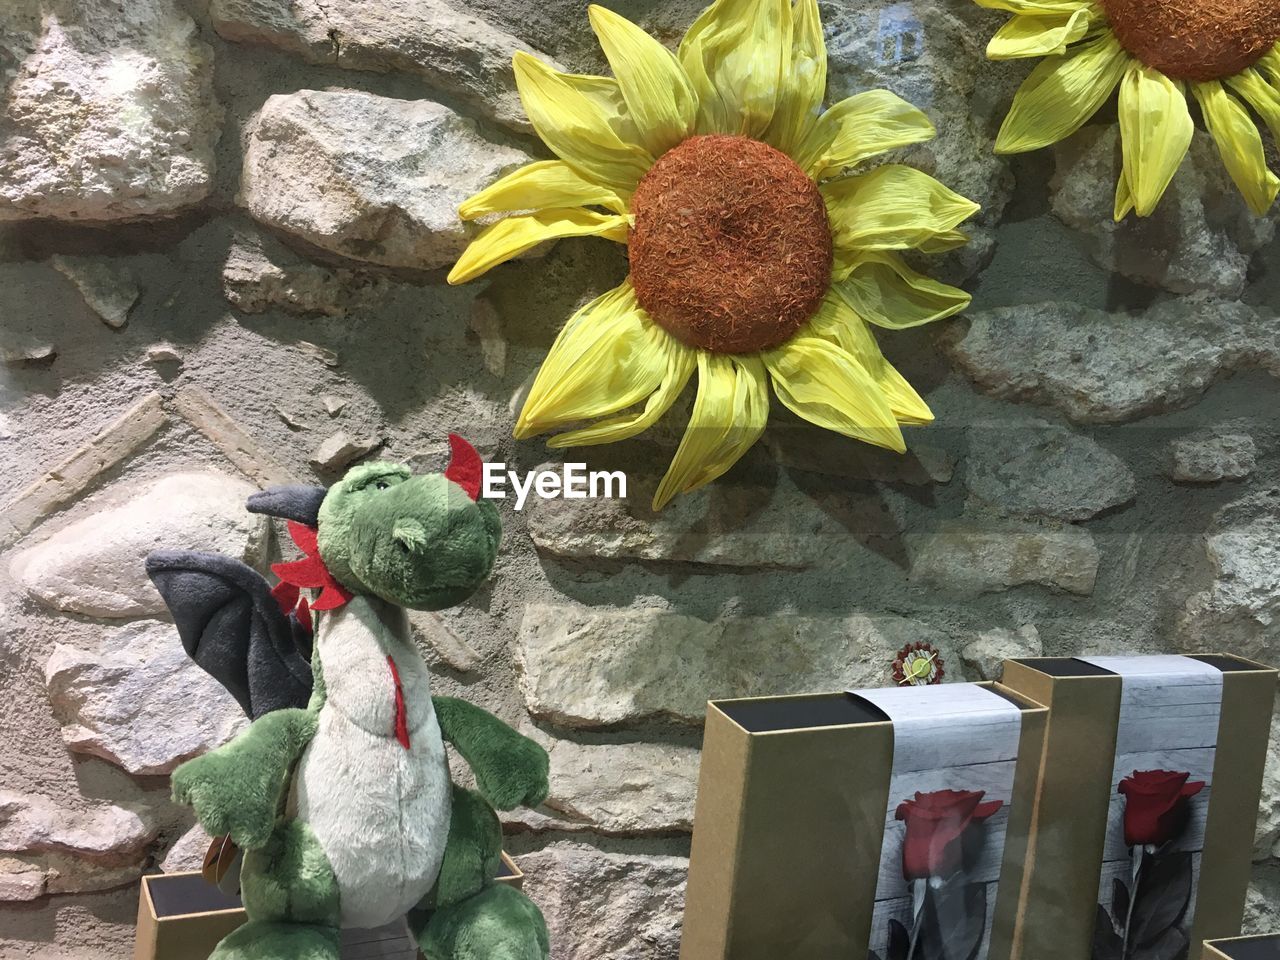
column 181, row 916
column 1147, row 803
column 1243, row 948
column 866, row 824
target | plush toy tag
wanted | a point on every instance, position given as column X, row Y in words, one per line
column 222, row 865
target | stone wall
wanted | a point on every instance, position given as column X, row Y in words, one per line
column 223, row 225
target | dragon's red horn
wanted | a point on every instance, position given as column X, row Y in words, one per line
column 465, row 467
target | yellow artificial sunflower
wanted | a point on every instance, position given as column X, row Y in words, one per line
column 1225, row 51
column 753, row 257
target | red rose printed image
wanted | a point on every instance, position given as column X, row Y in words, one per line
column 1148, row 916
column 941, row 827
column 1157, row 805
column 945, row 832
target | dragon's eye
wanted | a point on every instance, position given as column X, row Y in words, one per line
column 376, row 480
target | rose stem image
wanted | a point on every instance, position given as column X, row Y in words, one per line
column 1147, row 915
column 944, row 831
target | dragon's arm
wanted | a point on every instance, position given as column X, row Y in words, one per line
column 236, row 789
column 511, row 770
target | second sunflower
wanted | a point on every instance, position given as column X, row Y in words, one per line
column 1224, row 53
column 755, row 258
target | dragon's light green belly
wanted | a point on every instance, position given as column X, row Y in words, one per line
column 380, row 811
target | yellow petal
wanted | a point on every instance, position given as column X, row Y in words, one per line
column 826, row 385
column 581, row 120
column 942, row 242
column 1155, row 133
column 737, row 54
column 1038, row 36
column 837, row 322
column 1061, row 94
column 1036, row 8
column 540, row 186
column 605, row 95
column 608, row 357
column 859, row 127
column 1260, row 95
column 652, row 82
column 1239, row 144
column 728, row 416
column 883, row 290
column 513, row 236
column 892, row 207
column 804, row 85
column 843, row 260
column 1124, row 197
column 908, row 406
column 680, row 362
column 1270, row 64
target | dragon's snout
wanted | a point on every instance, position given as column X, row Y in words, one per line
column 410, row 534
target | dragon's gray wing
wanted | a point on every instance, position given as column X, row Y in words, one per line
column 231, row 626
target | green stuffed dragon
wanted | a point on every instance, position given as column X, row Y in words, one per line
column 339, row 792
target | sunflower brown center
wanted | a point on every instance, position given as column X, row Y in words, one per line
column 731, row 250
column 1196, row 39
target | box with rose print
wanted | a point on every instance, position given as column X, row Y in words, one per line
column 1146, row 807
column 880, row 824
